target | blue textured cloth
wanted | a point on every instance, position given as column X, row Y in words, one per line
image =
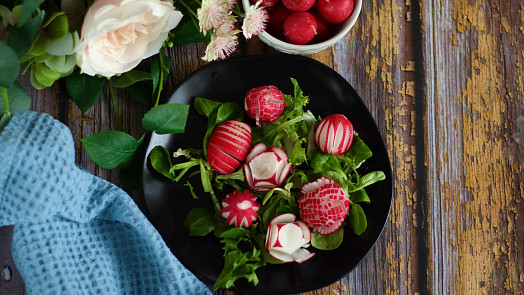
column 76, row 233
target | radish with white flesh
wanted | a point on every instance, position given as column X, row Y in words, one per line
column 240, row 208
column 264, row 103
column 323, row 205
column 266, row 168
column 228, row 146
column 334, row 134
column 287, row 239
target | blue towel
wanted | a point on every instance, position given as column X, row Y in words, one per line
column 76, row 233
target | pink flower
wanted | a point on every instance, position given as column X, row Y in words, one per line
column 212, row 14
column 221, row 47
column 254, row 21
column 227, row 27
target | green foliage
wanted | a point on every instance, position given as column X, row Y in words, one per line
column 28, row 7
column 131, row 78
column 21, row 36
column 9, row 66
column 200, row 221
column 84, row 89
column 188, row 30
column 18, row 99
column 110, row 148
column 328, row 242
column 357, row 219
column 166, row 118
column 161, row 161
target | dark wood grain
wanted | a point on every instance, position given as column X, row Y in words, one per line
column 444, row 81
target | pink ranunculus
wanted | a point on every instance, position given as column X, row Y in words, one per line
column 118, row 34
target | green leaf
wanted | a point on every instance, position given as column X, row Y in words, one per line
column 110, row 148
column 205, row 106
column 131, row 77
column 367, row 180
column 166, row 118
column 238, row 265
column 9, row 66
column 84, row 89
column 200, row 221
column 161, row 161
column 28, row 7
column 328, row 242
column 3, row 122
column 21, row 37
column 44, row 75
column 130, row 170
column 229, row 111
column 358, row 151
column 156, row 69
column 360, row 196
column 298, row 155
column 59, row 27
column 141, row 92
column 236, row 233
column 18, row 97
column 188, row 30
column 357, row 219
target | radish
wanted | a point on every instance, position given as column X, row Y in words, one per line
column 266, row 168
column 335, row 11
column 266, row 3
column 323, row 205
column 240, row 208
column 264, row 103
column 228, row 146
column 287, row 239
column 323, row 28
column 300, row 28
column 298, row 5
column 334, row 134
column 277, row 16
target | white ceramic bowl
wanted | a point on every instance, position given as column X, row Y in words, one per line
column 310, row 48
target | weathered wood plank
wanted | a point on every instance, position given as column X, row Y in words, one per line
column 475, row 179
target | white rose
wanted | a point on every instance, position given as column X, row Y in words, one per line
column 118, row 34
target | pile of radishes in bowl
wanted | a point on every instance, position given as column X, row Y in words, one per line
column 307, row 26
column 289, row 178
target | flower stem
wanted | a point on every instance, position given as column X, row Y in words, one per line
column 115, row 109
column 188, row 8
column 161, row 80
column 6, row 102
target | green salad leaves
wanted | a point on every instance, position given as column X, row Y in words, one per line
column 244, row 249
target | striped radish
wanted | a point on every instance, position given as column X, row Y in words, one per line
column 323, row 205
column 334, row 134
column 228, row 146
column 264, row 103
column 240, row 208
column 266, row 168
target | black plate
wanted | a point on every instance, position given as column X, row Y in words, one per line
column 168, row 203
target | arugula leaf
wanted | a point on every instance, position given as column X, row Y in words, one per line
column 161, row 161
column 239, row 265
column 200, row 221
column 328, row 242
column 166, row 118
column 110, row 148
column 236, row 233
column 357, row 219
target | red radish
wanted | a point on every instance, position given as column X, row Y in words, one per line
column 277, row 16
column 228, row 146
column 240, row 208
column 266, row 168
column 266, row 3
column 334, row 134
column 323, row 28
column 298, row 5
column 287, row 239
column 264, row 103
column 300, row 28
column 323, row 205
column 335, row 11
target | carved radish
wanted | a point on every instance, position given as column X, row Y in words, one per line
column 334, row 134
column 228, row 146
column 266, row 168
column 287, row 239
column 323, row 205
column 240, row 208
column 264, row 103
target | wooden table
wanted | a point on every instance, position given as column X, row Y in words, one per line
column 444, row 82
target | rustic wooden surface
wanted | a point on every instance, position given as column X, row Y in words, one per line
column 444, row 81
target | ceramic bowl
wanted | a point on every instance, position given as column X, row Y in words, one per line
column 286, row 47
